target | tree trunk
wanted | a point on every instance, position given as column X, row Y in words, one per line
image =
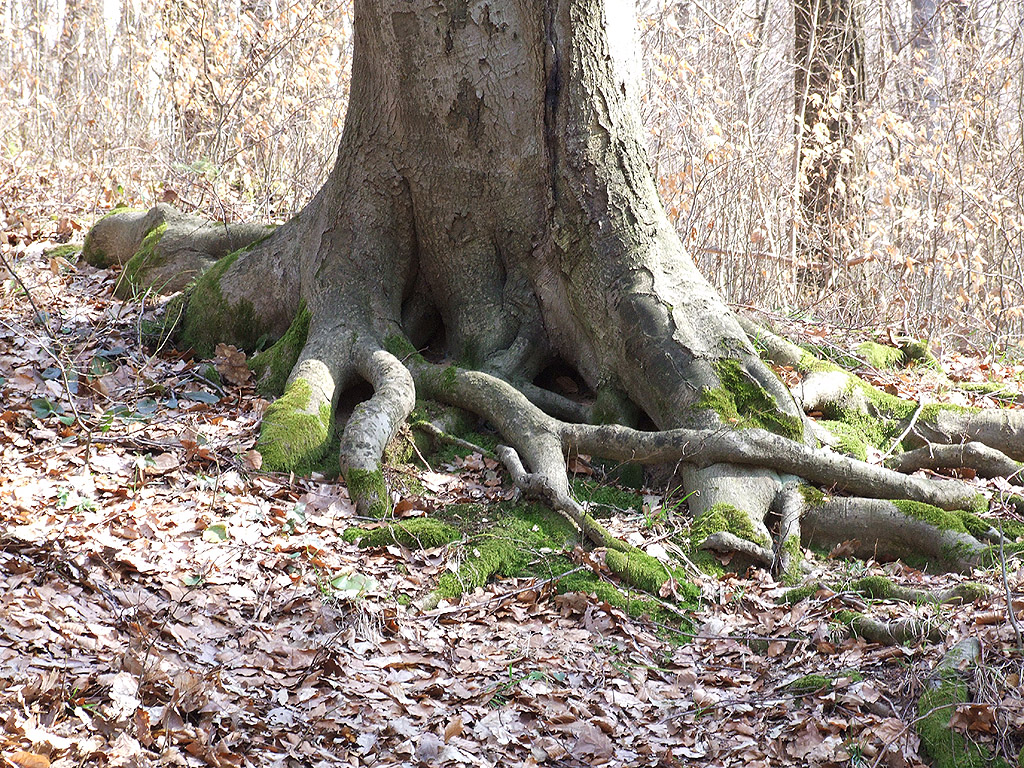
column 829, row 86
column 492, row 200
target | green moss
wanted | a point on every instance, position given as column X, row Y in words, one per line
column 402, row 348
column 971, row 591
column 793, row 573
column 812, row 496
column 808, row 684
column 881, row 355
column 875, row 587
column 640, row 569
column 91, row 254
column 851, row 438
column 946, row 747
column 210, row 319
column 797, row 594
column 743, row 402
column 292, row 438
column 273, row 366
column 725, row 517
column 720, row 517
column 919, row 350
column 605, row 495
column 940, row 518
column 612, row 406
column 367, row 485
column 146, row 257
column 68, row 251
column 413, row 533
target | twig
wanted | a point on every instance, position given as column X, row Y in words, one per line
column 1006, row 588
column 904, row 433
column 498, row 598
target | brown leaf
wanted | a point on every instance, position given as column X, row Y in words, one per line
column 29, row 760
column 844, row 549
column 974, row 717
column 453, row 729
column 230, row 363
column 252, row 460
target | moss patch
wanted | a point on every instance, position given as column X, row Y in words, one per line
column 292, row 438
column 881, row 355
column 720, row 517
column 875, row 587
column 368, row 486
column 946, row 747
column 272, row 366
column 743, row 402
column 602, row 495
column 808, row 684
column 414, row 533
column 146, row 257
column 210, row 319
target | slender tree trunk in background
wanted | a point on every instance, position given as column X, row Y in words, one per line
column 829, row 88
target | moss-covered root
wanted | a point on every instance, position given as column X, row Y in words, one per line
column 890, row 530
column 296, row 429
column 881, row 588
column 272, row 366
column 371, row 427
column 905, row 631
column 414, row 533
column 943, row 691
column 986, row 461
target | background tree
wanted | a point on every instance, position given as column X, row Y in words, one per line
column 830, row 89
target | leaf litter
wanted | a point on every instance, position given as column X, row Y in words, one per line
column 165, row 603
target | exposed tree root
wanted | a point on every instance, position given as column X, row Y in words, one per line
column 881, row 588
column 943, row 691
column 888, row 530
column 986, row 461
column 905, row 631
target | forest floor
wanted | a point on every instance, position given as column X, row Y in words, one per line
column 163, row 602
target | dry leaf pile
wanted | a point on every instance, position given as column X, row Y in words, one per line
column 163, row 602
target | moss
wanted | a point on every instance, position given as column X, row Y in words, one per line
column 210, row 319
column 725, row 517
column 368, row 485
column 402, row 348
column 971, row 591
column 791, row 547
column 605, row 495
column 919, row 350
column 881, row 355
column 292, row 438
column 940, row 518
column 946, row 747
column 612, row 406
column 809, row 684
column 273, row 366
column 875, row 587
column 720, row 517
column 812, row 496
column 93, row 255
column 68, row 251
column 851, row 438
column 797, row 594
column 413, row 533
column 745, row 403
column 146, row 257
column 640, row 569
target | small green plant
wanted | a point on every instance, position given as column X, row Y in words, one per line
column 71, row 499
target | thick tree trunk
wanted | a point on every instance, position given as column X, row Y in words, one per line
column 492, row 199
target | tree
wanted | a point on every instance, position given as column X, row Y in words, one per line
column 829, row 87
column 491, row 211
